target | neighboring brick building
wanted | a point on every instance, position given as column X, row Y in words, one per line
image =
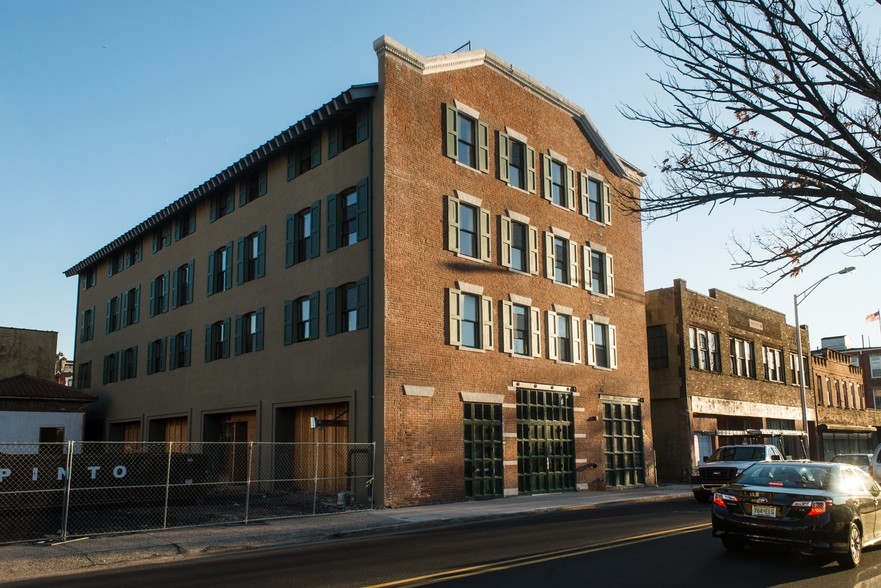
column 427, row 260
column 844, row 423
column 869, row 361
column 722, row 370
column 27, row 351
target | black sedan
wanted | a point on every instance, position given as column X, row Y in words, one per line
column 811, row 506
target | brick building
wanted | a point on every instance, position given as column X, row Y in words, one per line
column 27, row 351
column 844, row 422
column 722, row 370
column 435, row 262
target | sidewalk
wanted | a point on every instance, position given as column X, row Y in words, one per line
column 31, row 560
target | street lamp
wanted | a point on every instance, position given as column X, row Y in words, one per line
column 798, row 299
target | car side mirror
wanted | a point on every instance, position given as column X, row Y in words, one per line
column 705, row 458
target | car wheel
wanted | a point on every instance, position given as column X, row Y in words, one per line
column 702, row 497
column 732, row 544
column 851, row 559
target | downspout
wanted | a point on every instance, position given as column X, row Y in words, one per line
column 372, row 299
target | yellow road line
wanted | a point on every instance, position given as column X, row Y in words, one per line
column 536, row 558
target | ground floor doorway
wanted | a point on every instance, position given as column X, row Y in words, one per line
column 545, row 441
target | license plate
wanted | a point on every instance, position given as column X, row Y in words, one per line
column 760, row 510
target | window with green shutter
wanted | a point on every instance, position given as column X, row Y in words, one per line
column 467, row 138
column 252, row 185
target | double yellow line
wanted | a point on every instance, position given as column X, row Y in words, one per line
column 537, row 558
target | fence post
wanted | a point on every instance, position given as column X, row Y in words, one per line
column 65, row 505
column 315, row 480
column 167, row 485
column 248, row 480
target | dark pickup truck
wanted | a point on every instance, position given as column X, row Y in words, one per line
column 724, row 464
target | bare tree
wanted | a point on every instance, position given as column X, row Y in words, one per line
column 777, row 101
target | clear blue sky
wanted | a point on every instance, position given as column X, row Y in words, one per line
column 110, row 110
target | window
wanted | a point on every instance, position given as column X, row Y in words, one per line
column 795, row 369
column 217, row 337
column 301, row 319
column 820, row 390
column 222, row 203
column 89, row 277
column 468, row 227
column 303, row 157
column 161, row 237
column 113, row 320
column 111, row 368
column 84, row 375
column 252, row 186
column 705, row 351
column 520, row 328
column 128, row 367
column 622, row 439
column 559, row 182
column 156, row 355
column 116, row 263
column 251, row 261
column 602, row 344
column 131, row 307
column 659, row 357
column 249, row 332
column 87, row 327
column 828, row 392
column 599, row 270
column 220, row 269
column 133, row 254
column 561, row 258
column 743, row 361
column 350, row 131
column 875, row 366
column 347, row 307
column 838, row 402
column 595, row 200
column 471, row 318
column 185, row 224
column 775, row 369
column 516, row 162
column 564, row 336
column 347, row 219
column 467, row 138
column 302, row 235
column 159, row 294
column 519, row 244
column 182, row 284
column 179, row 355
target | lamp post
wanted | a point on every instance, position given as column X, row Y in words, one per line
column 798, row 299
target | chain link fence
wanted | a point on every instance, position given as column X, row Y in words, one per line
column 74, row 489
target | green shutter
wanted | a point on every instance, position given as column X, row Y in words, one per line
column 208, row 346
column 240, row 261
column 290, row 239
column 363, row 125
column 292, row 164
column 165, row 287
column 288, row 322
column 188, row 340
column 175, row 286
column 243, row 192
column 452, row 135
column 172, row 353
column 231, row 199
column 162, row 345
column 136, row 311
column 330, row 313
column 191, row 279
column 482, row 147
column 452, row 224
column 124, row 309
column 210, row 280
column 107, row 322
column 258, row 343
column 261, row 181
column 149, row 358
column 315, row 234
column 226, row 330
column 227, row 282
column 363, row 303
column 504, row 157
column 313, row 314
column 260, row 270
column 153, row 297
column 331, row 223
column 333, row 141
column 315, row 156
column 239, row 334
column 363, row 218
column 139, row 246
column 177, row 228
column 212, row 210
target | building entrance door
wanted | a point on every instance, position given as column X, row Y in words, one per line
column 545, row 442
column 484, row 450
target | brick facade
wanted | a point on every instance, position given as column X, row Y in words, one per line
column 402, row 378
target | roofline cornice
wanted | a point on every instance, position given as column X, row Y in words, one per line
column 320, row 116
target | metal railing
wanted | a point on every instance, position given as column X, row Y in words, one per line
column 74, row 489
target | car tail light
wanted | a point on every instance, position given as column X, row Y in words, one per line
column 720, row 499
column 815, row 507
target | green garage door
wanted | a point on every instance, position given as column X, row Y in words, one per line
column 545, row 442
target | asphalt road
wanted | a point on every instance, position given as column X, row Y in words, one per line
column 664, row 543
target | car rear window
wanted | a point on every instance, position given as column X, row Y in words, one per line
column 786, row 476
